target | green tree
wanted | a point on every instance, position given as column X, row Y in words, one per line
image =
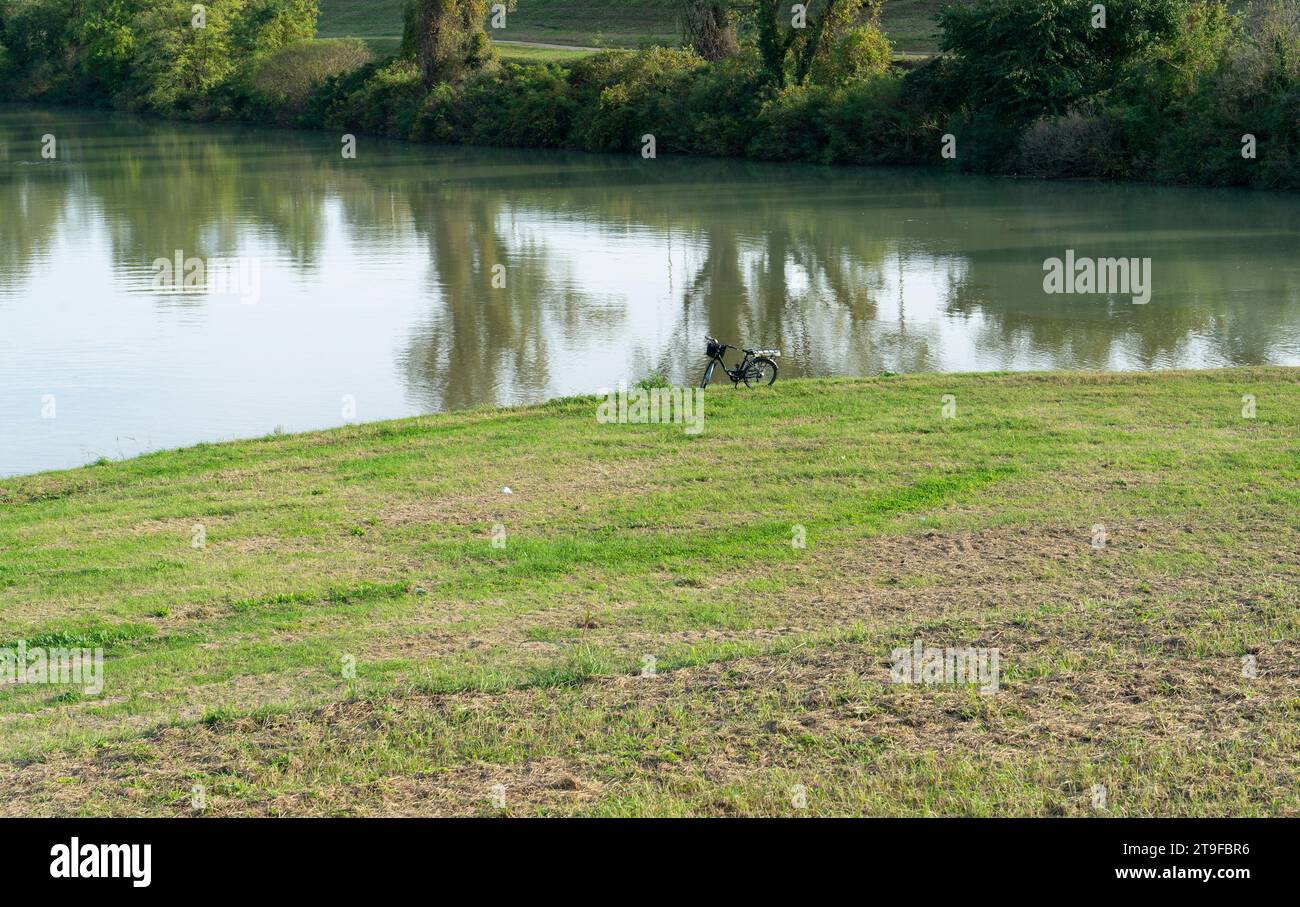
column 792, row 37
column 1021, row 59
column 105, row 33
column 448, row 38
column 180, row 57
column 36, row 32
column 861, row 53
column 268, row 25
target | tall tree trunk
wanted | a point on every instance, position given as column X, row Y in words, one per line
column 707, row 26
column 447, row 38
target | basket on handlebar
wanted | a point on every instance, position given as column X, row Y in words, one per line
column 712, row 348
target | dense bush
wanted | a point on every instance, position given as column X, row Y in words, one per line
column 794, row 125
column 859, row 54
column 721, row 104
column 606, row 102
column 1188, row 106
column 1166, row 91
column 623, row 96
column 1074, row 144
column 520, row 105
column 383, row 100
column 282, row 82
column 871, row 124
column 861, row 123
column 985, row 141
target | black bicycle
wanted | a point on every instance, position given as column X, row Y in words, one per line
column 755, row 369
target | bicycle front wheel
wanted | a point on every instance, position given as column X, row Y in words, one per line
column 708, row 373
column 762, row 371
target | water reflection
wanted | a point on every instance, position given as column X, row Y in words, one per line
column 436, row 278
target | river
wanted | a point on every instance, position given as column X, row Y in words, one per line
column 414, row 279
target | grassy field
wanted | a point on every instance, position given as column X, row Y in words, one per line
column 520, row 663
column 620, row 23
column 532, row 53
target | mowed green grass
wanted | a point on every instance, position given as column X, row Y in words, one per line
column 629, row 547
column 528, row 53
column 623, row 23
column 586, row 23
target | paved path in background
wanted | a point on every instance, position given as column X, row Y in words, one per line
column 898, row 54
column 550, row 46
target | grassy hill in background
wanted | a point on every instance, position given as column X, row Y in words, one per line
column 617, row 23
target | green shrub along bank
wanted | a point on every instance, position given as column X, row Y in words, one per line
column 1178, row 91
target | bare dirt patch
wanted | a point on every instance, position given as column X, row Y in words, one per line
column 550, row 762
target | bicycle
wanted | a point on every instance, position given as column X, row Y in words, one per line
column 755, row 369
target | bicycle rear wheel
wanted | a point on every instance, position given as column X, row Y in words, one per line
column 761, row 371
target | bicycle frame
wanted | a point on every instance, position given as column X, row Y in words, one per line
column 736, row 375
column 755, row 364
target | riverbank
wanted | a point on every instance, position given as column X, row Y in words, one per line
column 366, row 623
column 1170, row 91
